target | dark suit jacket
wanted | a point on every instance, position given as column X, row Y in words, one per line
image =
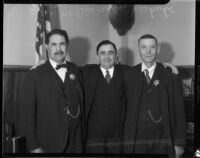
column 133, row 86
column 167, row 94
column 47, row 121
column 90, row 74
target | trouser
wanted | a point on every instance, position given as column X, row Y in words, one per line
column 150, row 139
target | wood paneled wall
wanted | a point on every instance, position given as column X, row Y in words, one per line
column 13, row 85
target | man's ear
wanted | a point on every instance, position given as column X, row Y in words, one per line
column 46, row 46
column 117, row 59
column 158, row 49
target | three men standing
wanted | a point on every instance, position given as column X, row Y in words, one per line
column 141, row 104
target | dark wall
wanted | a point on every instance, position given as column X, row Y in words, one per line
column 13, row 85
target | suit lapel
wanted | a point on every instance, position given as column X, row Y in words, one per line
column 68, row 87
column 53, row 77
column 94, row 79
column 117, row 75
column 156, row 74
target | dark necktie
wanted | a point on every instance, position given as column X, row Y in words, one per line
column 107, row 77
column 61, row 66
column 147, row 76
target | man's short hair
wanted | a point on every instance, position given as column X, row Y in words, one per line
column 59, row 32
column 147, row 36
column 105, row 42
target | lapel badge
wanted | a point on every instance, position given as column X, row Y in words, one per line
column 156, row 82
column 72, row 77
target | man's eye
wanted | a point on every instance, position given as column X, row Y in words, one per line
column 53, row 44
column 102, row 53
column 62, row 44
column 111, row 53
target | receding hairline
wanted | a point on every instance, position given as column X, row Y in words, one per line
column 106, row 42
column 147, row 36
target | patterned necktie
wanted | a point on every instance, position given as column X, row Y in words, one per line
column 147, row 76
column 107, row 77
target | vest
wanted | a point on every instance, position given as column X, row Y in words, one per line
column 108, row 110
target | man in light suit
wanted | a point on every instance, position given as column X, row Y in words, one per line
column 53, row 102
column 155, row 99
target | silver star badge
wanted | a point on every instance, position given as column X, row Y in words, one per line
column 72, row 76
column 156, row 82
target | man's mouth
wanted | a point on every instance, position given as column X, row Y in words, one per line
column 59, row 53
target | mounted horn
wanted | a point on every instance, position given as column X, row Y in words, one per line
column 121, row 17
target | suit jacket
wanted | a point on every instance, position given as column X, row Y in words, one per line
column 53, row 110
column 168, row 96
column 133, row 87
column 90, row 74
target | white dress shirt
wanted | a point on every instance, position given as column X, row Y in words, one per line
column 61, row 72
column 151, row 69
column 111, row 70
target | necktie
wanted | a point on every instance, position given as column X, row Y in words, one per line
column 61, row 66
column 147, row 76
column 107, row 77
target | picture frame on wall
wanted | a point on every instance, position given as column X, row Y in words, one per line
column 188, row 87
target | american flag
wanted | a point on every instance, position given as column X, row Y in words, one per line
column 43, row 26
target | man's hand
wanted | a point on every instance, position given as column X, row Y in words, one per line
column 174, row 68
column 38, row 150
column 39, row 63
column 178, row 151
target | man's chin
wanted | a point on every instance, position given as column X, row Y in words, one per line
column 148, row 60
column 60, row 60
column 108, row 67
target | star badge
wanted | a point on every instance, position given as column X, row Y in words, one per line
column 72, row 77
column 156, row 82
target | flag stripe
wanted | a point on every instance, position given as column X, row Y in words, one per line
column 43, row 26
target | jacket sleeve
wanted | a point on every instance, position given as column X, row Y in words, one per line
column 179, row 111
column 133, row 92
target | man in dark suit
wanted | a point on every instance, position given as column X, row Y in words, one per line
column 159, row 125
column 105, row 101
column 53, row 102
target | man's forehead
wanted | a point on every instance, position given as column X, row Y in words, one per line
column 148, row 41
column 107, row 47
column 56, row 37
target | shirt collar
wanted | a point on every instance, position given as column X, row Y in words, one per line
column 111, row 70
column 54, row 64
column 151, row 69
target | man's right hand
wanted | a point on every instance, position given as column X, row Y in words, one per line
column 38, row 150
column 39, row 63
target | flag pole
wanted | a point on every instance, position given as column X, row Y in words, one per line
column 44, row 53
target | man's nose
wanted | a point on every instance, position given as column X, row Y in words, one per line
column 58, row 47
column 107, row 55
column 148, row 51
